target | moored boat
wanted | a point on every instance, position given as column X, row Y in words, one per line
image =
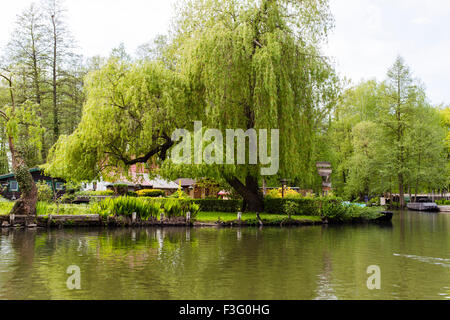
column 423, row 206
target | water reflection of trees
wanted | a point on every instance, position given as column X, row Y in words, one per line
column 209, row 263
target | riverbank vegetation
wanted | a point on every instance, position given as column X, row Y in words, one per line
column 308, row 211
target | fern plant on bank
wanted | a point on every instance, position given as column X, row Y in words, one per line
column 125, row 206
column 173, row 208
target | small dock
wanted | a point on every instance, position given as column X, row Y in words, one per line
column 444, row 209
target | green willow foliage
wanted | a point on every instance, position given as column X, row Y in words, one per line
column 130, row 109
column 231, row 64
column 253, row 68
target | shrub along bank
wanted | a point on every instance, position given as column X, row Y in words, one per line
column 332, row 208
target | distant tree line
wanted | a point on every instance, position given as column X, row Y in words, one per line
column 386, row 137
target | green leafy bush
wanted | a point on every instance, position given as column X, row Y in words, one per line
column 374, row 202
column 443, row 202
column 290, row 207
column 45, row 192
column 152, row 193
column 95, row 193
column 67, row 198
column 304, row 207
column 336, row 211
column 217, row 205
column 368, row 213
column 72, row 187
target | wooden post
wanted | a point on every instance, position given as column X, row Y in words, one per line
column 133, row 217
column 239, row 216
column 162, row 216
column 188, row 216
column 12, row 217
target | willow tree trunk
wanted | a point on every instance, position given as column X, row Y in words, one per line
column 250, row 192
column 26, row 205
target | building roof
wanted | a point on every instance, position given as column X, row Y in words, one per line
column 118, row 183
column 11, row 175
column 185, row 182
column 159, row 183
column 145, row 181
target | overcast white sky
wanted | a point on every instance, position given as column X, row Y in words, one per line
column 369, row 34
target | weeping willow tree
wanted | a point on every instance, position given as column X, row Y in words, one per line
column 257, row 65
column 229, row 64
column 130, row 113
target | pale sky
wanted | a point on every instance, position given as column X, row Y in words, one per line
column 369, row 34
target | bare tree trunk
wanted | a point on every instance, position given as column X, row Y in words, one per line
column 401, row 191
column 26, row 205
column 54, row 83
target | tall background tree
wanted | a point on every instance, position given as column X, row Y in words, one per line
column 387, row 138
column 42, row 78
column 23, row 130
column 28, row 49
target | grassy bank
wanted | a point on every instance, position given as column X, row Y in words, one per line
column 5, row 207
column 44, row 209
column 211, row 217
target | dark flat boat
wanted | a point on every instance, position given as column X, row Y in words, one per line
column 423, row 206
column 386, row 216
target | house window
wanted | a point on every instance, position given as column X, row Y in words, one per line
column 59, row 186
column 13, row 186
column 49, row 183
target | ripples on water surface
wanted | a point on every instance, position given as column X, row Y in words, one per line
column 271, row 263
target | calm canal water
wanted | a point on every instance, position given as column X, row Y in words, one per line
column 271, row 263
